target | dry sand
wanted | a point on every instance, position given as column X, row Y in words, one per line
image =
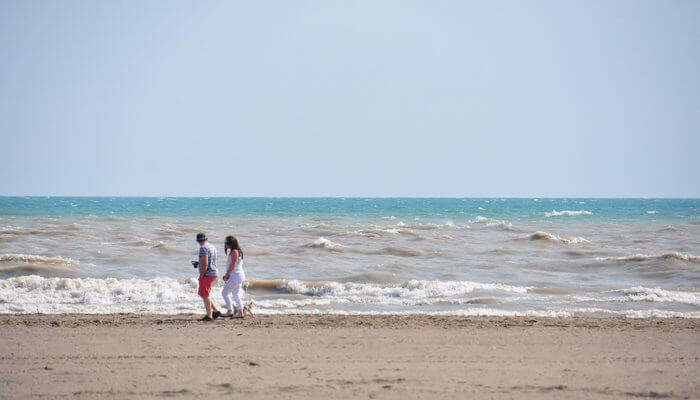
column 137, row 356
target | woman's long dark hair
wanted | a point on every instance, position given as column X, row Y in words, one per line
column 232, row 243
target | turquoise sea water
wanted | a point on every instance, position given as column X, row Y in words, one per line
column 513, row 209
column 601, row 257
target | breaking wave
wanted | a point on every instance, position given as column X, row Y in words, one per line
column 566, row 213
column 91, row 295
column 640, row 293
column 33, row 292
column 24, row 264
column 335, row 247
column 486, row 312
column 30, row 294
column 165, row 247
column 377, row 232
column 34, row 259
column 492, row 223
column 408, row 289
column 548, row 237
column 643, row 257
column 175, row 230
column 325, row 244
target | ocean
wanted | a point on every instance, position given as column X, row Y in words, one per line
column 491, row 256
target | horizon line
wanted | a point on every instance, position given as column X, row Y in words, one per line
column 354, row 197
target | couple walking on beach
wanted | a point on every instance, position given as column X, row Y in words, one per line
column 233, row 279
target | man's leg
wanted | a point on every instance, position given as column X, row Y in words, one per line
column 207, row 305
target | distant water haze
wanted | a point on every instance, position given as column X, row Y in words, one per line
column 601, row 257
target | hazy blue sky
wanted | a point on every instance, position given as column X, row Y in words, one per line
column 378, row 98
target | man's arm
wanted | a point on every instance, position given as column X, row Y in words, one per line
column 203, row 264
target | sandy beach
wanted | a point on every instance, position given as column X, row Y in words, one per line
column 294, row 356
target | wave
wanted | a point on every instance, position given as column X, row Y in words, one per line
column 151, row 244
column 496, row 312
column 397, row 251
column 37, row 269
column 408, row 289
column 34, row 259
column 325, row 244
column 566, row 213
column 68, row 230
column 641, row 293
column 169, row 230
column 652, row 212
column 73, row 294
column 548, row 237
column 64, row 295
column 492, row 223
column 421, row 225
column 501, row 251
column 11, row 230
column 335, row 247
column 643, row 257
column 140, row 242
column 321, row 229
column 373, row 277
column 165, row 247
column 376, row 232
column 31, row 294
column 577, row 253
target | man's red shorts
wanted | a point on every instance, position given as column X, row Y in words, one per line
column 205, row 283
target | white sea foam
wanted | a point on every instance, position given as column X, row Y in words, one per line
column 410, row 289
column 33, row 293
column 652, row 212
column 492, row 223
column 326, row 244
column 566, row 213
column 377, row 231
column 545, row 236
column 30, row 294
column 640, row 293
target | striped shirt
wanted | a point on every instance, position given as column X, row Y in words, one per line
column 209, row 251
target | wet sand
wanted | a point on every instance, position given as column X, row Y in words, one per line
column 294, row 356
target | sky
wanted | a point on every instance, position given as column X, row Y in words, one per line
column 350, row 98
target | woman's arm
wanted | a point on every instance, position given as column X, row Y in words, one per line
column 234, row 259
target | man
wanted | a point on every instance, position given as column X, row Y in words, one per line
column 207, row 275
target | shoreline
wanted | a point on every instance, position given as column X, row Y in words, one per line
column 399, row 321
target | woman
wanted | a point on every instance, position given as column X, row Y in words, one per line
column 234, row 277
